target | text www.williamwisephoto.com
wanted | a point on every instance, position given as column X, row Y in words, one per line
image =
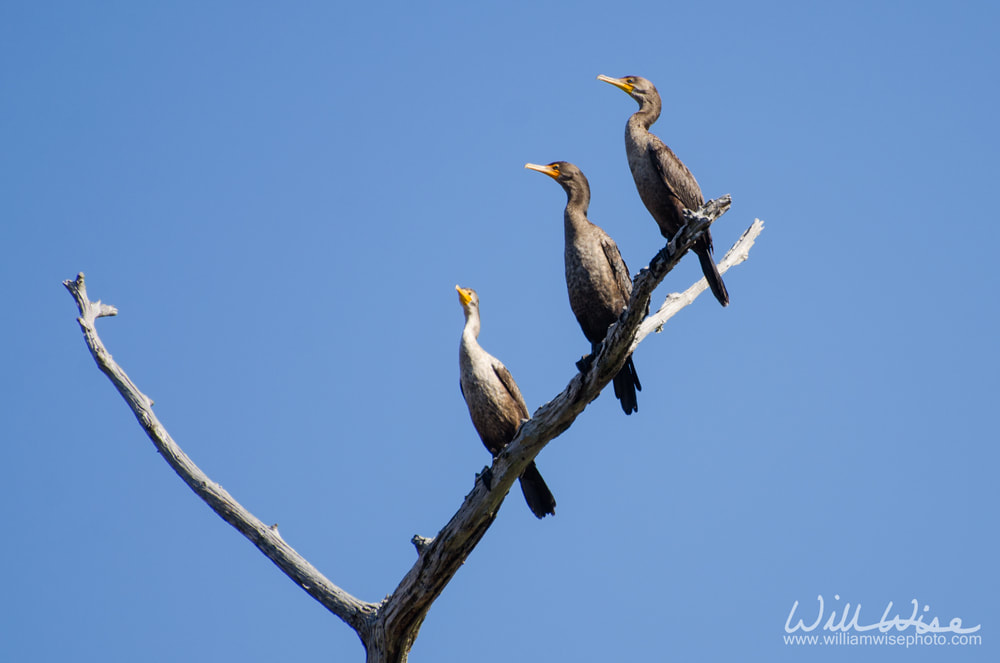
column 844, row 627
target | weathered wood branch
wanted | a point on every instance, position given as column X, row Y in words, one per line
column 675, row 301
column 353, row 611
column 403, row 611
column 388, row 629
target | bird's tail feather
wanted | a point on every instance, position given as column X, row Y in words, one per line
column 712, row 275
column 536, row 493
column 626, row 384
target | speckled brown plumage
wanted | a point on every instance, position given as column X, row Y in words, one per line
column 597, row 278
column 664, row 183
column 495, row 403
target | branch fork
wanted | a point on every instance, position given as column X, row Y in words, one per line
column 388, row 628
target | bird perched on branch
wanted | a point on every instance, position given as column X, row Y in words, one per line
column 665, row 184
column 597, row 278
column 495, row 403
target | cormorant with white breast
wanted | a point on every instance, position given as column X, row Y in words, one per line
column 495, row 403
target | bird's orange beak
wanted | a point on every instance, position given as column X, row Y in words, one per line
column 618, row 83
column 551, row 171
column 463, row 295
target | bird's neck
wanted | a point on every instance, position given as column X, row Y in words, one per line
column 471, row 331
column 577, row 201
column 575, row 221
column 648, row 113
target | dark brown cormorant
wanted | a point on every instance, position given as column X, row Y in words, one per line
column 495, row 403
column 597, row 278
column 665, row 184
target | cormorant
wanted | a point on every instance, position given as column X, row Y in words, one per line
column 664, row 183
column 495, row 403
column 597, row 278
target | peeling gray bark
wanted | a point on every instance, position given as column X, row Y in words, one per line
column 389, row 628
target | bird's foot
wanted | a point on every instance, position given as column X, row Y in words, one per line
column 584, row 363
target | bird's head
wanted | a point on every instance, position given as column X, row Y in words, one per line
column 636, row 87
column 468, row 298
column 563, row 172
column 569, row 176
column 560, row 171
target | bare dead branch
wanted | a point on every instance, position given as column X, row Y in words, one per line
column 675, row 301
column 404, row 610
column 388, row 629
column 354, row 612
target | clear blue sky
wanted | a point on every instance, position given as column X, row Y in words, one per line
column 280, row 199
